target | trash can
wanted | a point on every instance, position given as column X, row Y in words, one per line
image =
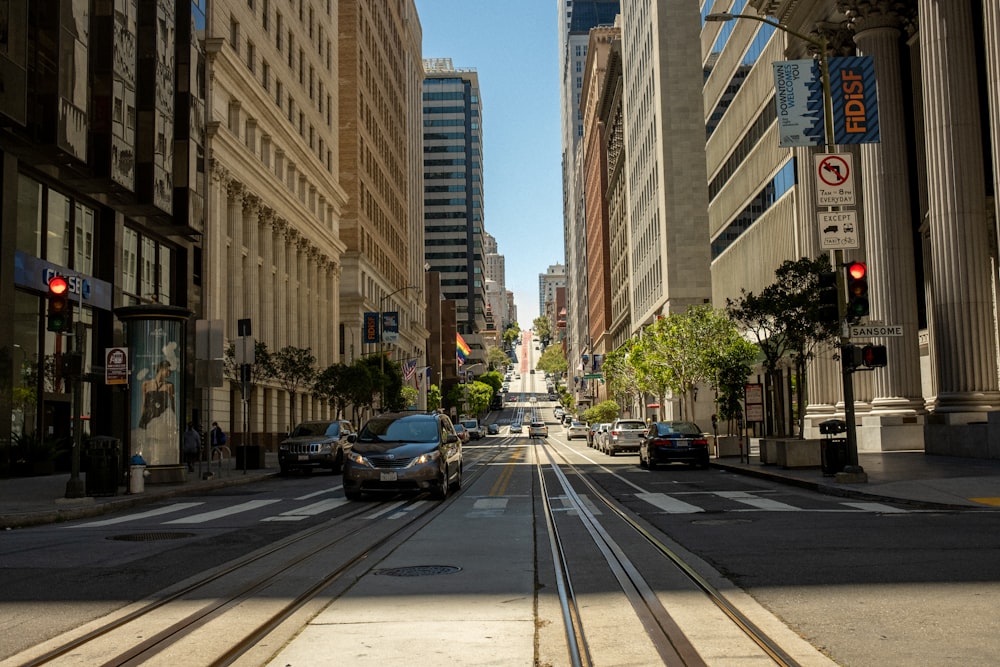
column 833, row 452
column 103, row 466
column 249, row 457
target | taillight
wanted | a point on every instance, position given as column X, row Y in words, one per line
column 701, row 442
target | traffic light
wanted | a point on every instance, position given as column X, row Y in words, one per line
column 829, row 303
column 873, row 356
column 857, row 290
column 850, row 357
column 60, row 318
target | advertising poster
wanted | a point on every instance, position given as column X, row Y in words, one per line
column 156, row 389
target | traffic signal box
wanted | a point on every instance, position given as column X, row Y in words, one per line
column 60, row 319
column 857, row 291
column 829, row 306
column 869, row 356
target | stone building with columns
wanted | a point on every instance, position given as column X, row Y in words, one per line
column 927, row 203
column 273, row 246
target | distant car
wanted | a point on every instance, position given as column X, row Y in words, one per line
column 538, row 430
column 474, row 429
column 577, row 430
column 404, row 451
column 315, row 444
column 624, row 436
column 598, row 434
column 492, row 429
column 515, row 427
column 558, row 412
column 463, row 433
column 673, row 442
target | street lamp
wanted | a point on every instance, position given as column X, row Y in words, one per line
column 381, row 336
column 822, row 46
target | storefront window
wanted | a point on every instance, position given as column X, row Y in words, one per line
column 147, row 269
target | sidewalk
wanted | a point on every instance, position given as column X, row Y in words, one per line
column 908, row 476
column 31, row 501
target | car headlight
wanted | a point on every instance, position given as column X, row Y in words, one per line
column 359, row 459
column 426, row 458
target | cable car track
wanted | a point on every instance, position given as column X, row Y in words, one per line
column 665, row 635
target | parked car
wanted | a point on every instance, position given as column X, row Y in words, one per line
column 474, row 429
column 673, row 442
column 463, row 433
column 404, row 451
column 599, row 435
column 538, row 430
column 315, row 444
column 492, row 429
column 515, row 427
column 577, row 430
column 624, row 436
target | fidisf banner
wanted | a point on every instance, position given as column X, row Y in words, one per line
column 799, row 101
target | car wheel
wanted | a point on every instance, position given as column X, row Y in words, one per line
column 284, row 470
column 338, row 462
column 653, row 465
column 352, row 494
column 642, row 461
column 457, row 484
column 611, row 451
column 440, row 489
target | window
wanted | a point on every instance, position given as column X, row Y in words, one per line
column 234, row 35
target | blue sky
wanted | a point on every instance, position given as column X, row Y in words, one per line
column 513, row 45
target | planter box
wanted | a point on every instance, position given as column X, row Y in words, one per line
column 798, row 453
column 768, row 452
column 729, row 445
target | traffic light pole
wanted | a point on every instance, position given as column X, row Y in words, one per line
column 74, row 486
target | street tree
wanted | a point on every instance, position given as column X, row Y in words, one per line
column 605, row 411
column 620, row 375
column 542, row 328
column 787, row 321
column 294, row 369
column 497, row 358
column 552, row 360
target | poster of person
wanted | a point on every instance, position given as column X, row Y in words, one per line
column 156, row 394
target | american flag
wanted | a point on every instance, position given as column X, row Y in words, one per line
column 409, row 368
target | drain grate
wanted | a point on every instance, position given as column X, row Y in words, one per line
column 418, row 570
column 150, row 537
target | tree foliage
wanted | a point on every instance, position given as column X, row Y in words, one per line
column 605, row 411
column 542, row 328
column 786, row 320
column 261, row 371
column 552, row 360
column 294, row 369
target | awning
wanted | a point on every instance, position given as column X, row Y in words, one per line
column 652, row 405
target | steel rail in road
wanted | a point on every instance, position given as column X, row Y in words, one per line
column 668, row 639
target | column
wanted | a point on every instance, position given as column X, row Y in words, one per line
column 888, row 219
column 267, row 282
column 991, row 42
column 251, row 278
column 234, row 257
column 963, row 334
column 281, row 283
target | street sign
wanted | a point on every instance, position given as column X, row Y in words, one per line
column 834, row 179
column 838, row 229
column 872, row 329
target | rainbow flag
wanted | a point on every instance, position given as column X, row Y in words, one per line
column 461, row 348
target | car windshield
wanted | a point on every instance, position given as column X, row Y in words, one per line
column 469, row 424
column 399, row 430
column 677, row 428
column 316, row 428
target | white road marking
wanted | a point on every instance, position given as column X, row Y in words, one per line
column 668, row 504
column 224, row 512
column 309, row 510
column 759, row 503
column 877, row 507
column 176, row 507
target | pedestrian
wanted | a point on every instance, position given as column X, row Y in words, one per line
column 192, row 445
column 217, row 436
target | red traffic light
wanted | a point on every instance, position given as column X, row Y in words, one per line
column 58, row 286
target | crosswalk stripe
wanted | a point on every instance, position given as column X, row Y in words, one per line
column 176, row 507
column 877, row 507
column 668, row 504
column 759, row 503
column 301, row 513
column 224, row 512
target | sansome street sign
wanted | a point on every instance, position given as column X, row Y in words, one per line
column 873, row 329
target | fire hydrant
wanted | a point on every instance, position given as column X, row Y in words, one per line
column 137, row 474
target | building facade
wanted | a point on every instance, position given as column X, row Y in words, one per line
column 453, row 192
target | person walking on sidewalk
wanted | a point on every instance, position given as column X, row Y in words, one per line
column 192, row 445
column 217, row 436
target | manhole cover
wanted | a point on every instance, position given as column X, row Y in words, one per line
column 149, row 537
column 419, row 570
column 720, row 522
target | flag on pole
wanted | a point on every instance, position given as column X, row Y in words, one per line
column 461, row 348
column 409, row 368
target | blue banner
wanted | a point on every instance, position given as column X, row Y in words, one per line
column 799, row 101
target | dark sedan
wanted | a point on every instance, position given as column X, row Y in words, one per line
column 673, row 442
column 404, row 451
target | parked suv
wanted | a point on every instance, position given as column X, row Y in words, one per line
column 316, row 444
column 404, row 451
column 624, row 436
